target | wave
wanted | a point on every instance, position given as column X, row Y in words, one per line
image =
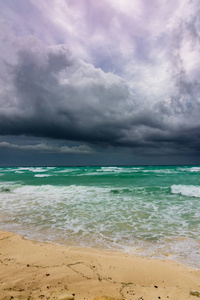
column 42, row 175
column 9, row 187
column 186, row 190
column 120, row 191
column 5, row 189
column 195, row 169
column 68, row 170
column 107, row 216
column 111, row 169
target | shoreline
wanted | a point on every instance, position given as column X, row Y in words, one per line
column 138, row 252
column 41, row 270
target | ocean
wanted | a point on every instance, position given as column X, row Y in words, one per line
column 148, row 211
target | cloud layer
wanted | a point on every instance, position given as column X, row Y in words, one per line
column 122, row 74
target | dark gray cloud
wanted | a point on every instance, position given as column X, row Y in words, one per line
column 45, row 148
column 118, row 80
column 59, row 97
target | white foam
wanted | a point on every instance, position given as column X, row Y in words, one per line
column 114, row 170
column 186, row 190
column 51, row 168
column 36, row 170
column 195, row 169
column 67, row 170
column 162, row 171
column 165, row 171
column 41, row 175
column 111, row 169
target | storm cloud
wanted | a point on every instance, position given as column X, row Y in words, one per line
column 105, row 75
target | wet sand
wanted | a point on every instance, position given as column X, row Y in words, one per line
column 35, row 270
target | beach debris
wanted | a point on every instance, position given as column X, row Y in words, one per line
column 195, row 293
column 99, row 278
column 156, row 287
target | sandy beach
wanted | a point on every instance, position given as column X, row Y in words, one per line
column 35, row 270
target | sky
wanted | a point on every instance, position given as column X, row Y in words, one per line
column 85, row 82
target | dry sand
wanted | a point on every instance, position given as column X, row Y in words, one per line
column 35, row 270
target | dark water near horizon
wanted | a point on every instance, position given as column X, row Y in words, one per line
column 147, row 211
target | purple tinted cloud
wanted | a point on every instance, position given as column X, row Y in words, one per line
column 106, row 73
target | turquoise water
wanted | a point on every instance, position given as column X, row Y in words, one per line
column 146, row 211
